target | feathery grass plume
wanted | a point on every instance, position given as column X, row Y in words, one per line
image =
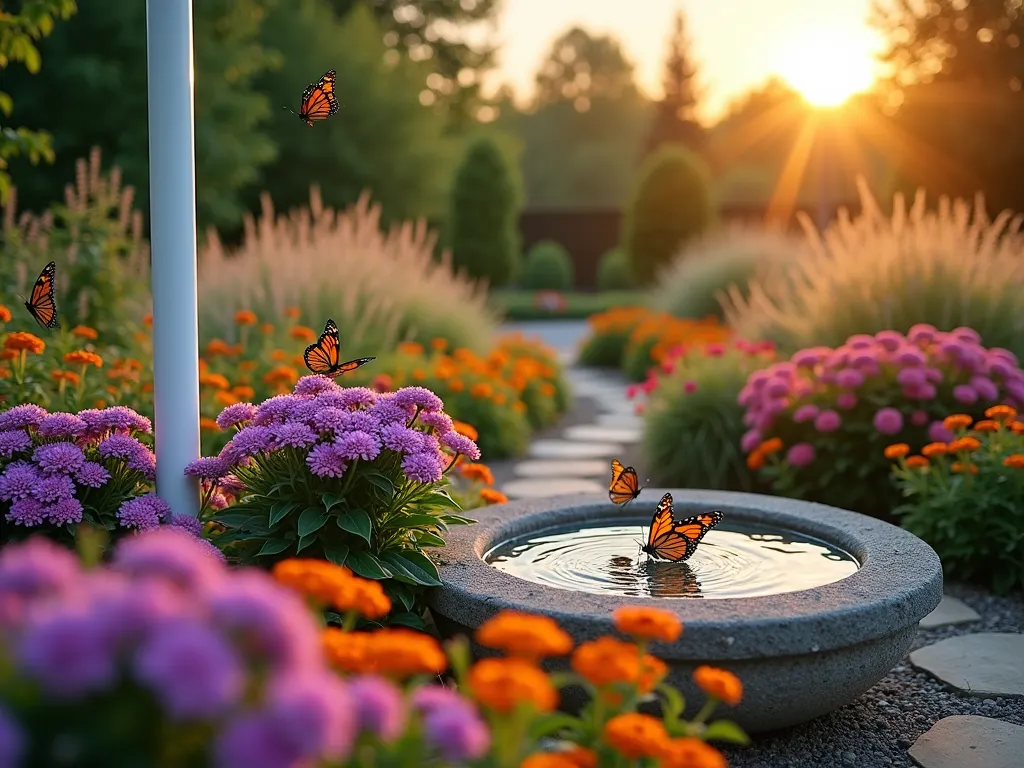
column 379, row 287
column 949, row 267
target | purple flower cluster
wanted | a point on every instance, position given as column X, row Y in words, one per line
column 821, row 386
column 335, row 427
column 212, row 645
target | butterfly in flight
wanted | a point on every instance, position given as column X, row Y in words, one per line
column 318, row 100
column 322, row 357
column 676, row 541
column 42, row 304
column 625, row 486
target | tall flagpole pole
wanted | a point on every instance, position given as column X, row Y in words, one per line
column 172, row 188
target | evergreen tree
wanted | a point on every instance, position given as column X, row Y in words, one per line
column 675, row 119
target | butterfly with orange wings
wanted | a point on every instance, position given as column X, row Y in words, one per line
column 41, row 304
column 322, row 357
column 625, row 486
column 676, row 541
column 318, row 100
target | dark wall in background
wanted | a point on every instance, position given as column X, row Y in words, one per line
column 588, row 233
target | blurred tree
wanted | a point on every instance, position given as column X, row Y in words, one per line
column 580, row 68
column 956, row 91
column 19, row 32
column 675, row 117
column 435, row 30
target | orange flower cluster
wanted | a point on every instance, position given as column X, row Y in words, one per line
column 644, row 623
column 334, row 585
column 607, row 661
column 20, row 341
column 83, row 358
column 392, row 651
column 5, row 314
column 757, row 457
column 973, row 440
column 664, row 333
column 524, row 635
column 619, row 320
column 504, row 684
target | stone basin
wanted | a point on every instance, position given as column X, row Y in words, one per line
column 800, row 654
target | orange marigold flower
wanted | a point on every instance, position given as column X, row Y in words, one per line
column 5, row 373
column 81, row 357
column 84, row 332
column 524, row 635
column 479, row 472
column 318, row 579
column 147, row 319
column 292, row 313
column 546, row 389
column 400, row 652
column 245, row 317
column 267, row 328
column 5, row 314
column 964, row 468
column 581, row 757
column 964, row 445
column 9, row 354
column 720, row 683
column 957, row 421
column 346, row 650
column 504, row 684
column 467, row 430
column 1014, row 460
column 247, row 365
column 243, row 392
column 439, row 345
column 548, row 760
column 278, row 355
column 935, row 449
column 224, row 398
column 215, row 380
column 917, row 462
column 1001, row 413
column 21, row 341
column 480, row 389
column 634, row 735
column 986, row 425
column 418, row 374
column 770, row 446
column 70, row 377
column 303, row 333
column 410, row 348
column 896, row 450
column 607, row 660
column 281, row 374
column 364, row 596
column 755, row 460
column 691, row 753
column 645, row 623
column 652, row 672
column 456, row 385
column 1017, row 427
column 519, row 406
column 492, row 496
column 217, row 347
column 208, row 425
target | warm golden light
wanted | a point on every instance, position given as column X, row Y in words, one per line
column 828, row 66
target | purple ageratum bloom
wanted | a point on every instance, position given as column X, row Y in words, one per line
column 207, row 468
column 431, row 698
column 187, row 523
column 919, row 418
column 846, row 400
column 806, row 412
column 402, row 439
column 18, row 480
column 828, row 421
column 387, row 411
column 938, row 433
column 380, row 707
column 291, row 435
column 236, row 415
column 12, row 741
column 352, row 397
column 144, row 461
column 326, row 460
column 890, row 340
column 302, row 410
column 461, row 444
column 418, row 397
column 314, row 385
column 65, row 651
column 249, row 441
column 911, row 377
column 38, row 569
column 52, row 489
column 95, row 425
column 777, row 387
column 231, row 484
column 143, row 512
column 315, row 712
column 750, row 440
column 888, row 421
column 910, row 356
column 459, row 735
column 21, row 416
column 121, row 417
column 965, row 394
column 64, row 511
column 62, row 458
column 173, row 555
column 273, row 410
column 253, row 741
column 359, row 421
column 60, row 425
column 441, row 423
column 119, row 446
column 330, row 419
column 985, row 388
column 14, row 440
column 808, row 358
column 801, row 454
column 26, row 512
column 924, row 391
column 849, row 378
column 423, row 467
column 92, row 475
column 192, row 670
column 358, row 445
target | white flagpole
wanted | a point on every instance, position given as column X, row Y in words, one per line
column 172, row 205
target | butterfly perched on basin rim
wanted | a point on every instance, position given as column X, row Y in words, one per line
column 322, row 357
column 318, row 100
column 42, row 304
column 676, row 541
column 625, row 486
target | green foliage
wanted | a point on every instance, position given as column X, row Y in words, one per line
column 610, row 333
column 483, row 215
column 943, row 508
column 613, row 272
column 548, row 266
column 525, row 305
column 671, row 204
column 696, row 282
column 948, row 268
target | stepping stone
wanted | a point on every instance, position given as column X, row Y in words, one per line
column 623, row 406
column 568, row 468
column 949, row 611
column 620, row 421
column 982, row 664
column 599, row 434
column 528, row 488
column 564, row 449
column 967, row 740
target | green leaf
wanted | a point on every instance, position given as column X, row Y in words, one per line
column 331, row 501
column 673, row 702
column 356, row 521
column 336, row 552
column 726, row 730
column 304, row 542
column 412, row 567
column 366, row 565
column 280, row 510
column 456, row 520
column 554, row 724
column 311, row 520
column 402, row 594
column 441, row 498
column 418, row 520
column 233, row 519
column 407, row 619
column 273, row 547
column 381, row 482
column 425, row 539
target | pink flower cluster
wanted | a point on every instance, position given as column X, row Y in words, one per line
column 897, row 379
column 679, row 356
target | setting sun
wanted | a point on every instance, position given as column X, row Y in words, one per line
column 828, row 66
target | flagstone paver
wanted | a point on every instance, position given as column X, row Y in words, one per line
column 568, row 449
column 969, row 741
column 598, row 433
column 949, row 611
column 620, row 420
column 524, row 488
column 981, row 664
column 568, row 468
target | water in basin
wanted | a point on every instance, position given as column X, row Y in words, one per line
column 733, row 560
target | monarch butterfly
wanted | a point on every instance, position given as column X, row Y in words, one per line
column 318, row 100
column 322, row 357
column 676, row 541
column 41, row 304
column 625, row 486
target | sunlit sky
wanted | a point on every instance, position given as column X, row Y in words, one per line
column 824, row 48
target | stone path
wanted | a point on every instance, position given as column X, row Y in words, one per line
column 983, row 667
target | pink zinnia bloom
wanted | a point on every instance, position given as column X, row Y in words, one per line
column 922, row 333
column 805, row 412
column 777, row 388
column 801, row 454
column 808, row 358
column 690, row 386
column 924, row 391
column 910, row 356
column 888, row 421
column 965, row 394
column 919, row 418
column 714, row 350
column 750, row 440
column 846, row 400
column 632, row 391
column 911, row 377
column 966, row 334
column 890, row 340
column 828, row 421
column 860, row 341
column 849, row 378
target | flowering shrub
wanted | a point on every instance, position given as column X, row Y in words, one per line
column 653, row 338
column 963, row 497
column 60, row 469
column 472, row 485
column 818, row 423
column 692, row 420
column 610, row 331
column 344, row 474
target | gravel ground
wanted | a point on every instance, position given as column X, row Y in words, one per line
column 878, row 728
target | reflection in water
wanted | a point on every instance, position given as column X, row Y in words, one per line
column 732, row 561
